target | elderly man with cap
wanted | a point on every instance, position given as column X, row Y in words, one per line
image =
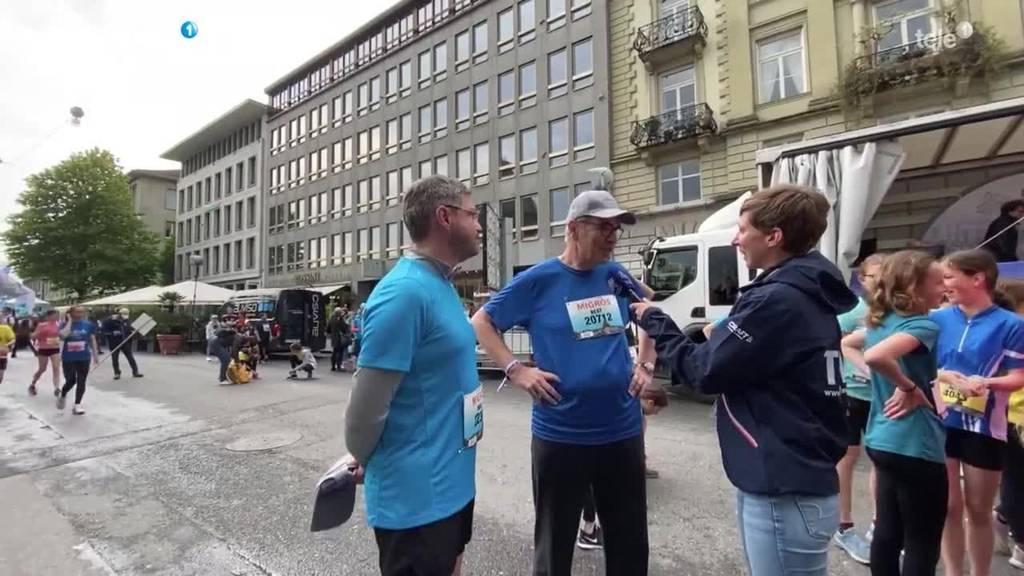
column 118, row 329
column 587, row 421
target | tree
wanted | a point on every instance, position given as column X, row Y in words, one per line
column 77, row 228
column 166, row 261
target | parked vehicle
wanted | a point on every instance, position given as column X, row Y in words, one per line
column 296, row 315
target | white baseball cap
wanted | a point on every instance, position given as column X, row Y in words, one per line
column 599, row 204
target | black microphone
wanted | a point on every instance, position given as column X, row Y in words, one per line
column 624, row 285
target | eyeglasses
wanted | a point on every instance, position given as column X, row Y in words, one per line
column 606, row 228
column 473, row 213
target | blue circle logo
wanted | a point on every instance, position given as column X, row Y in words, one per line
column 189, row 29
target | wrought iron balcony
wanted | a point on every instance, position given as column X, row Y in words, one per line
column 682, row 25
column 895, row 55
column 674, row 126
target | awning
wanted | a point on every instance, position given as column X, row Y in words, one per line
column 330, row 288
column 973, row 133
column 191, row 291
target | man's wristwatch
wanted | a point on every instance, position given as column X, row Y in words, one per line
column 646, row 366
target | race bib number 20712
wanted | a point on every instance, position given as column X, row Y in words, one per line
column 597, row 316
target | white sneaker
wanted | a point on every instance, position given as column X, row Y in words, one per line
column 1017, row 559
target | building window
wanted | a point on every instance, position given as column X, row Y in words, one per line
column 559, row 210
column 363, row 196
column 375, row 193
column 462, row 107
column 506, row 91
column 480, row 101
column 480, row 42
column 169, row 197
column 441, row 117
column 556, row 13
column 461, row 49
column 391, row 136
column 528, row 80
column 363, row 147
column 393, row 190
column 250, row 209
column 425, row 71
column 463, row 165
column 679, row 183
column 250, row 254
column 252, row 171
column 426, row 168
column 904, row 21
column 530, row 219
column 335, row 203
column 346, row 205
column 583, row 135
column 347, row 248
column 394, row 243
column 780, row 67
column 405, row 76
column 507, row 211
column 482, row 163
column 374, row 142
column 506, row 30
column 527, row 21
column 391, row 83
column 558, row 142
column 363, row 245
column 507, row 156
column 557, row 74
column 405, row 130
column 678, row 90
column 363, row 98
column 335, row 249
column 528, row 150
column 582, row 63
column 426, row 122
column 375, row 242
column 440, row 60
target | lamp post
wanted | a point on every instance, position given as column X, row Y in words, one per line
column 196, row 261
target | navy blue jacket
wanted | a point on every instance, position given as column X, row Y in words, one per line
column 776, row 364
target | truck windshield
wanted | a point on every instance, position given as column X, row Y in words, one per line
column 672, row 270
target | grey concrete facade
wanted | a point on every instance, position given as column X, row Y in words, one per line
column 322, row 232
column 154, row 199
column 220, row 200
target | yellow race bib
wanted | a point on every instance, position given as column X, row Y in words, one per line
column 957, row 400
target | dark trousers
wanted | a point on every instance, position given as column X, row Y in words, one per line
column 589, row 508
column 129, row 355
column 21, row 342
column 1011, row 491
column 338, row 350
column 562, row 474
column 910, row 508
column 265, row 348
column 224, row 355
column 75, row 373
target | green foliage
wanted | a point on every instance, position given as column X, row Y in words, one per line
column 77, row 228
column 980, row 56
column 170, row 299
column 169, row 322
column 165, row 265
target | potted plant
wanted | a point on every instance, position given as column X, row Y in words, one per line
column 170, row 333
column 170, row 299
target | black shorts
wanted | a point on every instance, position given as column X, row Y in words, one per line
column 3, row 363
column 857, row 411
column 428, row 550
column 47, row 352
column 976, row 450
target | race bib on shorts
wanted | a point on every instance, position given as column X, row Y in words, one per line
column 473, row 417
column 76, row 347
column 957, row 400
column 597, row 316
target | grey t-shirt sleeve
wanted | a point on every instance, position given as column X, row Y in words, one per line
column 368, row 408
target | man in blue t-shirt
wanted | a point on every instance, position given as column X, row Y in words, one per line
column 587, row 423
column 416, row 411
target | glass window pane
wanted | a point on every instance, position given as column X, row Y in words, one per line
column 441, row 57
column 584, row 129
column 556, row 67
column 506, row 87
column 528, row 144
column 559, row 204
column 480, row 97
column 556, row 8
column 441, row 114
column 462, row 46
column 582, row 60
column 529, row 207
column 481, row 152
column 527, row 19
column 506, row 151
column 558, row 135
column 527, row 78
column 462, row 107
column 480, row 38
column 425, row 60
column 505, row 26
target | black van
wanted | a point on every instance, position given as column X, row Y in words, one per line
column 296, row 315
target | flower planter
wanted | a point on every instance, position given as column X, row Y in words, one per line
column 169, row 343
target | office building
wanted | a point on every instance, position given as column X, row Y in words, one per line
column 154, row 197
column 220, row 200
column 508, row 96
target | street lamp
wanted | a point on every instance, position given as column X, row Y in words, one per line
column 196, row 261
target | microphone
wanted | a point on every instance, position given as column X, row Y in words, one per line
column 624, row 285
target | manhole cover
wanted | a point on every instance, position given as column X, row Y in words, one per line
column 267, row 441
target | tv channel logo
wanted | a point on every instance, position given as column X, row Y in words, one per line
column 189, row 29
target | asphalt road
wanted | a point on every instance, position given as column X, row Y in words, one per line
column 159, row 477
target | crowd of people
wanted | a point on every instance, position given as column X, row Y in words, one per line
column 922, row 371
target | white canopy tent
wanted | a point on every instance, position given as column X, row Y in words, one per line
column 204, row 294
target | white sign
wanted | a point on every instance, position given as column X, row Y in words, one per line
column 143, row 324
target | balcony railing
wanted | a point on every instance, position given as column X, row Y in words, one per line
column 673, row 126
column 683, row 24
column 895, row 55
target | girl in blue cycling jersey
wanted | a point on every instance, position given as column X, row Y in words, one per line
column 980, row 353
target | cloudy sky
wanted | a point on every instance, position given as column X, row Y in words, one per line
column 142, row 85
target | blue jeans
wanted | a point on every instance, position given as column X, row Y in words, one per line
column 787, row 535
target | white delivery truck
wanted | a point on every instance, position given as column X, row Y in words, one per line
column 696, row 277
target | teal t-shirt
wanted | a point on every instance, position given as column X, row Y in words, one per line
column 857, row 385
column 920, row 434
column 421, row 471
